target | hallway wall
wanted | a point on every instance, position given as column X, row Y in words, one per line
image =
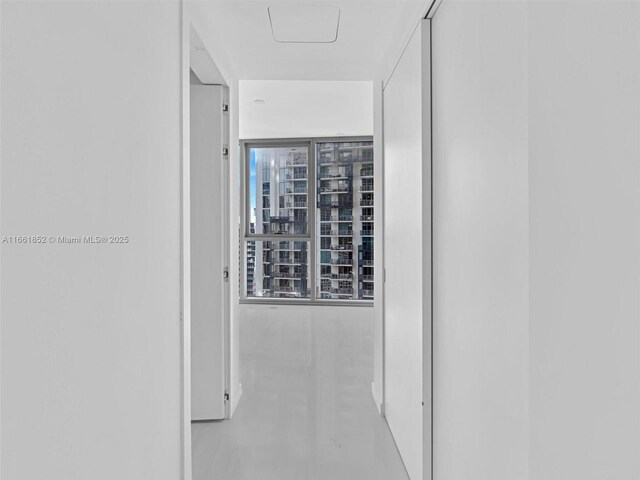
column 537, row 227
column 90, row 115
column 584, row 166
column 480, row 200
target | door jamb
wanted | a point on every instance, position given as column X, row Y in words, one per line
column 194, row 52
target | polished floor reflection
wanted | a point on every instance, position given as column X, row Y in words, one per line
column 307, row 411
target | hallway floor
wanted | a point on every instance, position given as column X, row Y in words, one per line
column 307, row 412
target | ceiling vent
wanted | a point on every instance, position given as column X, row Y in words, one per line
column 304, row 23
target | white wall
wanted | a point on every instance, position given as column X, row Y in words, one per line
column 584, row 157
column 305, row 109
column 377, row 386
column 537, row 223
column 407, row 253
column 480, row 249
column 91, row 333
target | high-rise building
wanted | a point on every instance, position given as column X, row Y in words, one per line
column 281, row 202
column 343, row 181
column 251, row 263
column 345, row 220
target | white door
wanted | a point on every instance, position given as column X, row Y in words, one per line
column 208, row 252
column 407, row 255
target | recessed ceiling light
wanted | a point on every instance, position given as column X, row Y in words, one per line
column 259, row 101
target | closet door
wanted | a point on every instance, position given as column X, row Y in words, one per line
column 208, row 247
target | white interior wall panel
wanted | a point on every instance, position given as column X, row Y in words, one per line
column 91, row 145
column 407, row 252
column 480, row 202
column 584, row 148
column 536, row 266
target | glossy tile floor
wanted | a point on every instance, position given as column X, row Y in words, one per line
column 307, row 411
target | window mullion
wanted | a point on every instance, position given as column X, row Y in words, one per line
column 311, row 215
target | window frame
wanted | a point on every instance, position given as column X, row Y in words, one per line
column 310, row 236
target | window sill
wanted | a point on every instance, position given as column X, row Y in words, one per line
column 305, row 302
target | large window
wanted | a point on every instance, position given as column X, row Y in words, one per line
column 308, row 220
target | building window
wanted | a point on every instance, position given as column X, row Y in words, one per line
column 308, row 220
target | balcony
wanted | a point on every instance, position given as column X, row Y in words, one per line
column 342, row 276
column 342, row 291
column 291, row 275
column 289, row 248
column 289, row 261
column 366, row 278
column 283, row 289
column 334, row 190
column 342, row 159
column 366, row 172
column 336, row 218
column 346, row 248
column 367, row 263
column 366, row 233
column 296, row 176
column 366, row 218
column 296, row 191
column 296, row 205
column 341, row 261
column 367, row 293
column 333, row 176
column 296, row 162
column 366, row 202
column 366, row 188
column 341, row 233
column 367, row 154
column 286, row 219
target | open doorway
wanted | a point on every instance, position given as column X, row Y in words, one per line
column 205, row 243
column 312, row 346
column 307, row 291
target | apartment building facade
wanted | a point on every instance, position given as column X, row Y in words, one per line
column 339, row 254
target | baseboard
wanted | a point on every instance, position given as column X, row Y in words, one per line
column 376, row 400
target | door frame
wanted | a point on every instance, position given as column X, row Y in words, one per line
column 195, row 55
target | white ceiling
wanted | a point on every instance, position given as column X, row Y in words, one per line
column 372, row 33
column 295, row 109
